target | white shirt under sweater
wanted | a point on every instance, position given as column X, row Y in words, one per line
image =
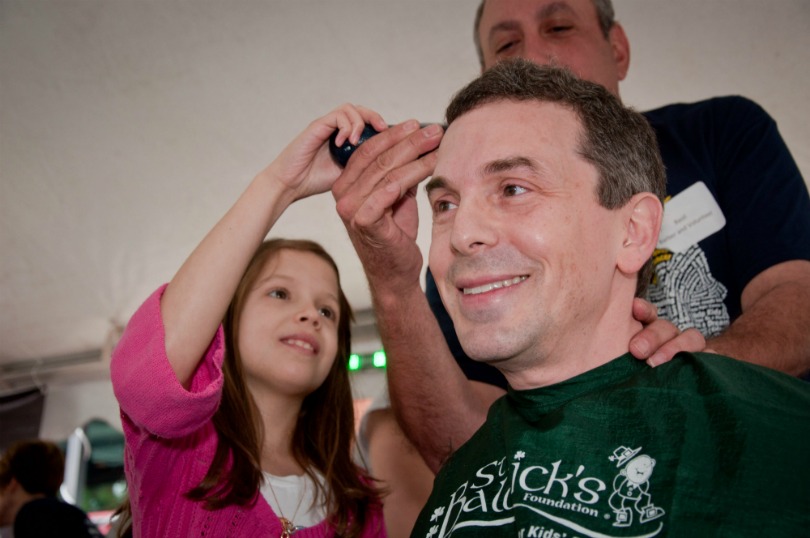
column 296, row 494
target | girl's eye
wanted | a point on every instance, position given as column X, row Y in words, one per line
column 327, row 312
column 278, row 294
column 513, row 190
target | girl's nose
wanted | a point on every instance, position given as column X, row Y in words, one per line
column 310, row 315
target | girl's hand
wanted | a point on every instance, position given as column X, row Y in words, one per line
column 305, row 166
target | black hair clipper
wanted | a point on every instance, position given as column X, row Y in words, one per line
column 342, row 153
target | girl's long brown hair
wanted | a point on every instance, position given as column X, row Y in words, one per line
column 324, row 433
column 322, row 438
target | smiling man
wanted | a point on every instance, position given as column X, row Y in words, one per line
column 519, row 234
column 546, row 202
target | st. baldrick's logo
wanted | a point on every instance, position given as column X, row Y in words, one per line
column 560, row 496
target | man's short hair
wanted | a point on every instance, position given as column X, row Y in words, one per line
column 38, row 466
column 604, row 12
column 617, row 140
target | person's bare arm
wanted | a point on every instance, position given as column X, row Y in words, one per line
column 432, row 399
column 774, row 327
column 402, row 471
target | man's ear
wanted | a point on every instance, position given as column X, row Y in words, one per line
column 643, row 222
column 621, row 49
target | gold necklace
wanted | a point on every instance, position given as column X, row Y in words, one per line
column 288, row 528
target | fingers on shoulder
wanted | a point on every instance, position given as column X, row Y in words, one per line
column 644, row 311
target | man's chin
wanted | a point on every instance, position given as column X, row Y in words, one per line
column 483, row 346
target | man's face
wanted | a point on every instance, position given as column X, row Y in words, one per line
column 563, row 33
column 522, row 253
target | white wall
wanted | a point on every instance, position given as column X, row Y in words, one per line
column 68, row 407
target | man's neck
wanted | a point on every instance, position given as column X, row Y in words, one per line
column 582, row 349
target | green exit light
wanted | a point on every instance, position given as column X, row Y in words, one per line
column 358, row 362
column 379, row 359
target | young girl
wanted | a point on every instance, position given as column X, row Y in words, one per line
column 232, row 380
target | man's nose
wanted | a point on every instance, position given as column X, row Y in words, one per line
column 537, row 51
column 472, row 229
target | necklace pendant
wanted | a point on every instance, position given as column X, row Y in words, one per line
column 287, row 527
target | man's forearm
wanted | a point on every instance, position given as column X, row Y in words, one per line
column 431, row 397
column 773, row 331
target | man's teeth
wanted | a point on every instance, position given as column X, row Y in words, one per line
column 300, row 343
column 494, row 285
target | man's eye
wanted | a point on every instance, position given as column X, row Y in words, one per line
column 560, row 28
column 513, row 190
column 327, row 313
column 278, row 294
column 506, row 47
column 442, row 206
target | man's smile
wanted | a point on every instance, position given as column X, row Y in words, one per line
column 484, row 288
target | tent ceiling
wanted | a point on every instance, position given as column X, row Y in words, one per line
column 128, row 128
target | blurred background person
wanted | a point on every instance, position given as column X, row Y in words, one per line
column 31, row 472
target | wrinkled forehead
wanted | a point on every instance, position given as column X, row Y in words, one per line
column 531, row 138
column 507, row 122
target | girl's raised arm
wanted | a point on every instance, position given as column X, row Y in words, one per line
column 197, row 298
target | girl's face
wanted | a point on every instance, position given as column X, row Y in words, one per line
column 287, row 334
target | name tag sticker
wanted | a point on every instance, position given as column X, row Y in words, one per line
column 689, row 217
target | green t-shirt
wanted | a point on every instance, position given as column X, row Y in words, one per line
column 701, row 446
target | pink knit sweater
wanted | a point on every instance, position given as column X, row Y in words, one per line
column 170, row 440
